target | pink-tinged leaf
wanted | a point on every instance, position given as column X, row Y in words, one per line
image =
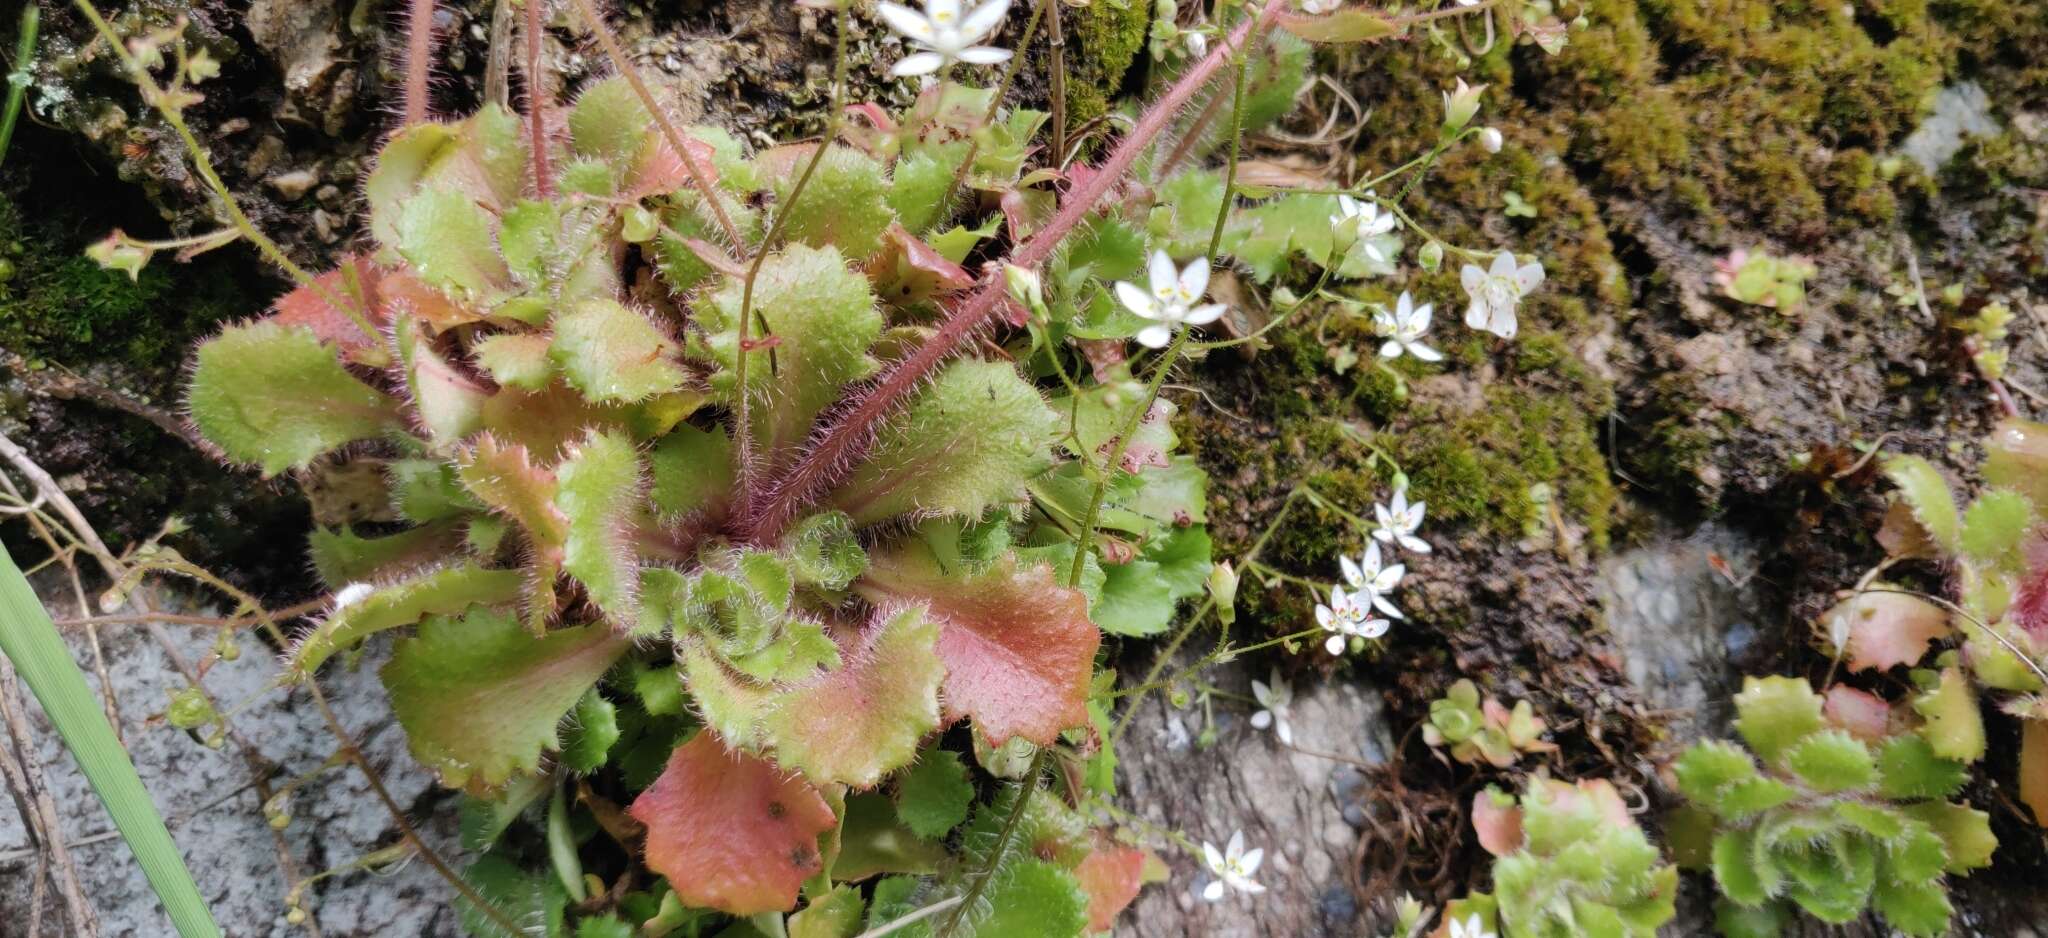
column 1347, row 25
column 1598, row 792
column 731, row 832
column 313, row 307
column 2034, row 769
column 1497, row 821
column 908, row 271
column 549, row 421
column 1111, row 875
column 505, row 479
column 1864, row 715
column 856, row 723
column 1018, row 647
column 447, row 401
column 1902, row 535
column 661, row 171
column 400, row 293
column 1885, row 629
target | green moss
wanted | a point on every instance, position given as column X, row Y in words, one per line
column 1103, row 39
column 1481, row 469
column 58, row 305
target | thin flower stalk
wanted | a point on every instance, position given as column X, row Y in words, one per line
column 743, row 431
column 698, row 174
column 270, row 250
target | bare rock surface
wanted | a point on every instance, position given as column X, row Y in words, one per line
column 206, row 797
column 1290, row 802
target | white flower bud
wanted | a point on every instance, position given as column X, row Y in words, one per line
column 1490, row 139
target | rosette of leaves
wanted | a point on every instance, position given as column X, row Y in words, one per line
column 1570, row 862
column 1474, row 729
column 1812, row 818
column 566, row 458
column 1997, row 547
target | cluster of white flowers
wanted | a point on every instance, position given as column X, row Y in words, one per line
column 1362, row 606
column 945, row 34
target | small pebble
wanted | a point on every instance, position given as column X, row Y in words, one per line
column 295, row 184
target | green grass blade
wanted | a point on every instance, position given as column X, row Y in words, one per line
column 17, row 80
column 30, row 640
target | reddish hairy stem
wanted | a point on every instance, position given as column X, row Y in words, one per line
column 543, row 177
column 838, row 443
column 419, row 47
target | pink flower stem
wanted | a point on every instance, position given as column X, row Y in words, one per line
column 419, row 51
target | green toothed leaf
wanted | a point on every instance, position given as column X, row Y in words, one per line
column 516, row 359
column 1909, row 768
column 1965, row 833
column 845, row 205
column 480, row 697
column 823, row 319
column 1775, row 713
column 598, row 492
column 968, row 441
column 446, row 591
column 591, row 732
column 932, row 797
column 824, row 552
column 692, row 471
column 613, row 354
column 276, row 397
column 1955, row 727
column 1994, row 526
column 1928, row 494
column 451, row 243
column 1832, row 761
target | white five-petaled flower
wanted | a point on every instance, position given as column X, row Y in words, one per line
column 1372, row 580
column 1172, row 299
column 1399, row 522
column 1233, row 867
column 1471, row 927
column 1403, row 329
column 945, row 34
column 1495, row 293
column 1346, row 616
column 1360, row 220
column 1278, row 699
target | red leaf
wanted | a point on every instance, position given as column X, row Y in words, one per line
column 309, row 306
column 1885, row 629
column 1018, row 647
column 1111, row 876
column 729, row 831
column 1865, row 715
